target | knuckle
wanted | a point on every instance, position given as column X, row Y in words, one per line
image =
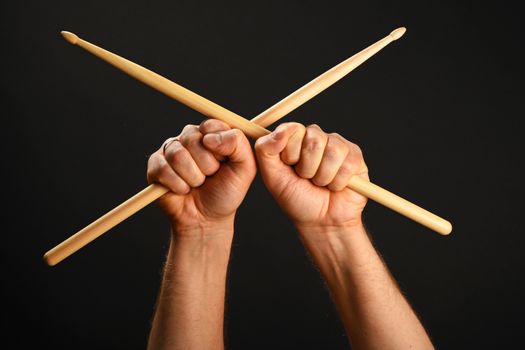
column 176, row 154
column 238, row 134
column 313, row 142
column 296, row 125
column 204, row 122
column 153, row 166
column 232, row 138
column 164, row 146
column 356, row 149
column 314, row 127
column 190, row 139
column 151, row 159
column 358, row 157
column 337, row 136
column 315, row 138
column 150, row 175
column 299, row 130
column 205, row 125
column 332, row 152
column 347, row 168
column 189, row 128
column 213, row 124
column 350, row 165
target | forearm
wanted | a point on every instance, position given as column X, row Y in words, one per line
column 190, row 308
column 373, row 310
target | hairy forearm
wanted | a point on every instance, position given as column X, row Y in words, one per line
column 373, row 310
column 190, row 306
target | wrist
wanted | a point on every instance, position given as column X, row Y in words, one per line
column 327, row 232
column 334, row 245
column 201, row 247
column 204, row 229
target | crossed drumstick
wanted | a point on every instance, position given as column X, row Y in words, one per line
column 254, row 128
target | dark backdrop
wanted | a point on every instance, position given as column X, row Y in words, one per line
column 437, row 114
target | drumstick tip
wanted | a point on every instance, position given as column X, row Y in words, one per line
column 70, row 37
column 398, row 33
column 48, row 260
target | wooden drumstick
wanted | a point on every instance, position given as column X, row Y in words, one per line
column 251, row 129
column 316, row 86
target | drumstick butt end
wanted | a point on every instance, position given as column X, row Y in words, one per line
column 398, row 33
column 70, row 37
column 445, row 228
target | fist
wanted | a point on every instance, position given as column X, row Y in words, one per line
column 307, row 171
column 208, row 169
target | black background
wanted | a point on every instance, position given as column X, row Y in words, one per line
column 437, row 113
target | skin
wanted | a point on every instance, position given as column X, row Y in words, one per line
column 208, row 170
column 306, row 170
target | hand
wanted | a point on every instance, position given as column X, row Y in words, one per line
column 313, row 193
column 208, row 169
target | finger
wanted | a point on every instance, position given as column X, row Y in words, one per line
column 160, row 172
column 268, row 151
column 312, row 149
column 352, row 165
column 234, row 145
column 334, row 155
column 213, row 125
column 229, row 143
column 291, row 153
column 270, row 146
column 191, row 139
column 180, row 160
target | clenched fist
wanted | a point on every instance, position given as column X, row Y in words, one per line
column 208, row 169
column 307, row 171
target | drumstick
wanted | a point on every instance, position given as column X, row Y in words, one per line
column 316, row 86
column 211, row 109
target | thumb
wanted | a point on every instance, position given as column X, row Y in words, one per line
column 232, row 144
column 268, row 152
